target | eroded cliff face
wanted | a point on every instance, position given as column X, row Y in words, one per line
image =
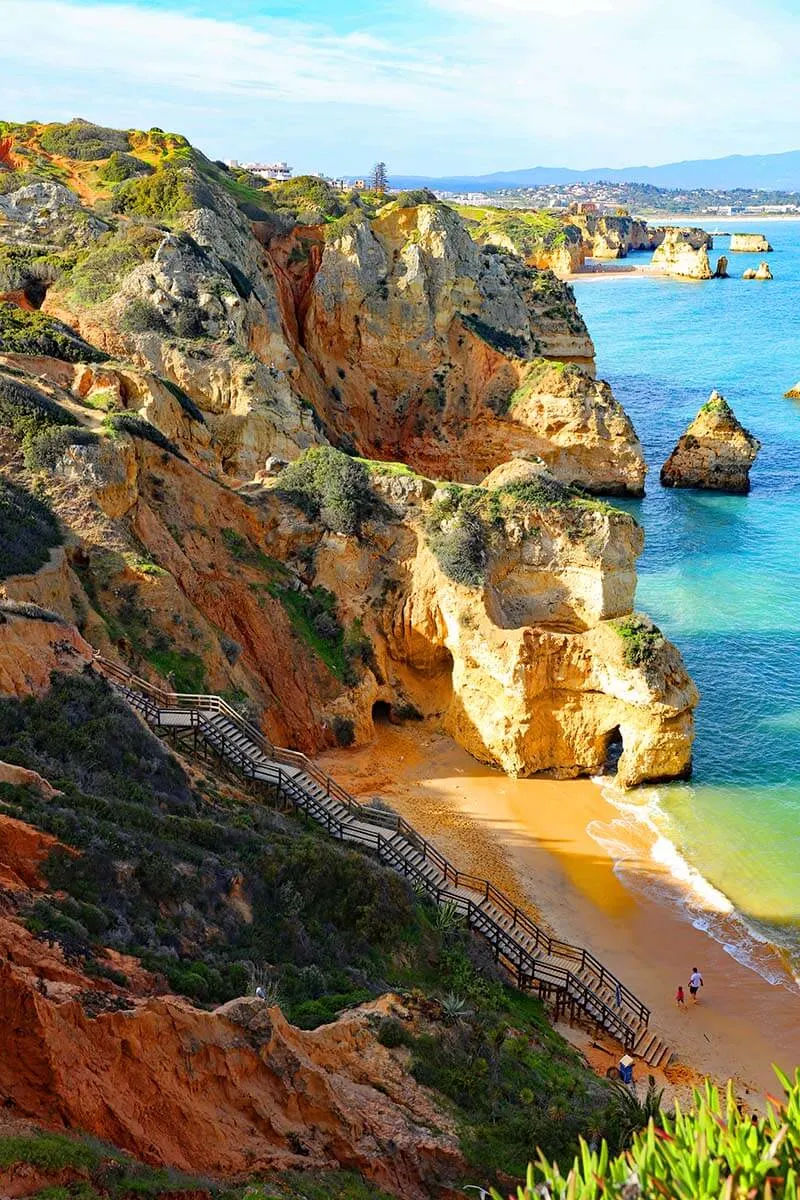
column 390, row 332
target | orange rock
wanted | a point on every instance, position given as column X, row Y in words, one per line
column 225, row 1093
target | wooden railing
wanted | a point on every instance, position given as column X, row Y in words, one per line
column 152, row 700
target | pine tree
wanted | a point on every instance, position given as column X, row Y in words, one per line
column 378, row 180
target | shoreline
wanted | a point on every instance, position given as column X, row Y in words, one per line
column 531, row 837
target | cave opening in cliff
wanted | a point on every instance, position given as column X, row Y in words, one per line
column 382, row 713
column 613, row 751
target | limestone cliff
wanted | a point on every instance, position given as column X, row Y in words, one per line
column 678, row 255
column 749, row 243
column 213, row 286
column 609, row 237
column 715, row 452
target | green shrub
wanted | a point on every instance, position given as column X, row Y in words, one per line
column 460, row 547
column 330, row 486
column 498, row 339
column 44, row 449
column 23, row 332
column 121, row 167
column 137, row 426
column 393, row 1033
column 27, row 412
column 142, row 316
column 28, row 531
column 97, row 275
column 186, row 672
column 710, row 1152
column 165, row 193
column 414, row 197
column 641, row 639
column 308, row 192
column 83, row 141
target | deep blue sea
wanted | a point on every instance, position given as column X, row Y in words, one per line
column 721, row 576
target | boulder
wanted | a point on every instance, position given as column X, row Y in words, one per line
column 763, row 272
column 793, row 392
column 749, row 243
column 716, row 452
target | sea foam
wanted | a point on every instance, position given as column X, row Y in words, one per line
column 639, row 837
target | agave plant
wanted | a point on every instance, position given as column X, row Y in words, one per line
column 447, row 916
column 454, row 1008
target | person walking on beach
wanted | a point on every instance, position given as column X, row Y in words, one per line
column 680, row 999
column 695, row 983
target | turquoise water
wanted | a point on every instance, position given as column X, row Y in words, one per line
column 721, row 576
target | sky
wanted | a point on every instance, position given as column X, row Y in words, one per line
column 429, row 86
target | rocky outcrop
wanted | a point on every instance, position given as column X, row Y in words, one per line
column 677, row 255
column 229, row 1093
column 721, row 270
column 793, row 392
column 761, row 272
column 716, row 452
column 525, row 667
column 749, row 243
column 609, row 237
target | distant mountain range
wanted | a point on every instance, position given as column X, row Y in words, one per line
column 770, row 172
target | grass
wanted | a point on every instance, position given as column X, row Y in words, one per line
column 186, row 671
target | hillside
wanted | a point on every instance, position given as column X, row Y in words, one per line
column 332, row 458
column 769, row 172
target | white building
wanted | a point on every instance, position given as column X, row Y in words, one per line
column 277, row 170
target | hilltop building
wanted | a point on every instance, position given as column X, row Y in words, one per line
column 280, row 171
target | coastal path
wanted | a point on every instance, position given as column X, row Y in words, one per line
column 570, row 976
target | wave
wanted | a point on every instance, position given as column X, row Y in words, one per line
column 639, row 836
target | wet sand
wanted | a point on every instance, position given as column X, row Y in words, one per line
column 530, row 837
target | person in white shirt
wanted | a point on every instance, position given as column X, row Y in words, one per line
column 695, row 983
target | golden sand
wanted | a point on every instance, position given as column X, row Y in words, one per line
column 530, row 838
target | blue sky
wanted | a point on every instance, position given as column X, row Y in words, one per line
column 431, row 86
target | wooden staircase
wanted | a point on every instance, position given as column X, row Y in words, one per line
column 534, row 960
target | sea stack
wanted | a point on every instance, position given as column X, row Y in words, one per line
column 683, row 255
column 721, row 271
column 763, row 272
column 715, row 453
column 749, row 243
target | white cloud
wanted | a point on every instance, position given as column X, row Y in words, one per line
column 477, row 85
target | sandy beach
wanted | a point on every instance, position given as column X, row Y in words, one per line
column 530, row 837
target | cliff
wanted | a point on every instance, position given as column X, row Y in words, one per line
column 290, row 316
column 609, row 237
column 716, row 452
column 678, row 255
column 749, row 243
column 539, row 238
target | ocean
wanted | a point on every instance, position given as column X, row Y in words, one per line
column 721, row 577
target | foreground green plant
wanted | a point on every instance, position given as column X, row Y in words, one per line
column 713, row 1152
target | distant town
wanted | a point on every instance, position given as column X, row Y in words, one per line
column 600, row 197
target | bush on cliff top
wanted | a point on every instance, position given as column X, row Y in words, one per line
column 165, row 193
column 330, row 486
column 28, row 531
column 23, row 332
column 96, row 276
column 641, row 639
column 83, row 140
column 135, row 425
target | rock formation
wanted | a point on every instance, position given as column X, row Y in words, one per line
column 749, row 243
column 721, row 270
column 793, row 392
column 762, row 272
column 609, row 237
column 716, row 452
column 679, row 256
